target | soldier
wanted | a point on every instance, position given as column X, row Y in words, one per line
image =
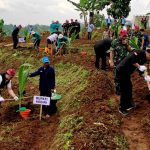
column 119, row 50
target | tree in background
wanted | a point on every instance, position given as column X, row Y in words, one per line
column 119, row 8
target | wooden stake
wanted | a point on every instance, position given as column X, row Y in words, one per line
column 41, row 112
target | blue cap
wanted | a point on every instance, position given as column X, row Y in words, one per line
column 45, row 59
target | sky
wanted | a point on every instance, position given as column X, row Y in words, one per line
column 45, row 11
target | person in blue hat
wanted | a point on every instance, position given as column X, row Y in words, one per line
column 46, row 84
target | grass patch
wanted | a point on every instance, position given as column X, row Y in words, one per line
column 121, row 142
column 71, row 80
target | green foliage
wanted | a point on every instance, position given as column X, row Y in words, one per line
column 121, row 142
column 99, row 20
column 27, row 35
column 2, row 33
column 23, row 74
column 116, row 27
column 134, row 43
column 119, row 8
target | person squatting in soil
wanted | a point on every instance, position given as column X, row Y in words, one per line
column 15, row 36
column 36, row 38
column 5, row 81
column 119, row 50
column 46, row 84
column 124, row 69
column 61, row 44
column 101, row 47
column 51, row 39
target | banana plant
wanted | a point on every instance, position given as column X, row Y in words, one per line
column 134, row 43
column 23, row 75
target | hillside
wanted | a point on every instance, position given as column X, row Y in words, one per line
column 87, row 116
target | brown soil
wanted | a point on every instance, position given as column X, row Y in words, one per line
column 102, row 122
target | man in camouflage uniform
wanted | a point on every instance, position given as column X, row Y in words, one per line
column 137, row 33
column 119, row 50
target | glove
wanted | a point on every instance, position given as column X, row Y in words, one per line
column 147, row 78
column 1, row 99
column 16, row 98
column 142, row 68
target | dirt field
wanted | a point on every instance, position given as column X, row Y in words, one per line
column 99, row 127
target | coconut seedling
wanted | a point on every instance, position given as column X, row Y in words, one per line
column 22, row 77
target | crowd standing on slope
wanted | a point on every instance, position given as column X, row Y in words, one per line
column 114, row 48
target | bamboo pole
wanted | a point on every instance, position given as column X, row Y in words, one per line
column 40, row 112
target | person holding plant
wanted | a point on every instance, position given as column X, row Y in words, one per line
column 5, row 81
column 124, row 70
column 46, row 84
column 119, row 50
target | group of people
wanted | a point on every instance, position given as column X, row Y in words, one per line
column 72, row 27
column 124, row 59
column 109, row 21
column 56, row 38
column 46, row 84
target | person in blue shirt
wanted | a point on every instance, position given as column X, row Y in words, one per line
column 55, row 27
column 123, row 21
column 145, row 44
column 46, row 84
column 108, row 21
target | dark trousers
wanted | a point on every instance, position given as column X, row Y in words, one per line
column 89, row 35
column 125, row 90
column 101, row 56
column 15, row 42
column 52, row 109
column 37, row 43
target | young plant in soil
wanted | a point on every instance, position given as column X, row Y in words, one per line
column 23, row 75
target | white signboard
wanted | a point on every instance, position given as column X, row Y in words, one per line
column 21, row 40
column 41, row 100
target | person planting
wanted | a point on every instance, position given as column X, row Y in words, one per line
column 61, row 44
column 101, row 48
column 46, row 84
column 133, row 61
column 36, row 37
column 119, row 50
column 5, row 81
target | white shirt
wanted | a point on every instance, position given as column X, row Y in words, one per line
column 53, row 37
column 90, row 27
column 8, row 85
